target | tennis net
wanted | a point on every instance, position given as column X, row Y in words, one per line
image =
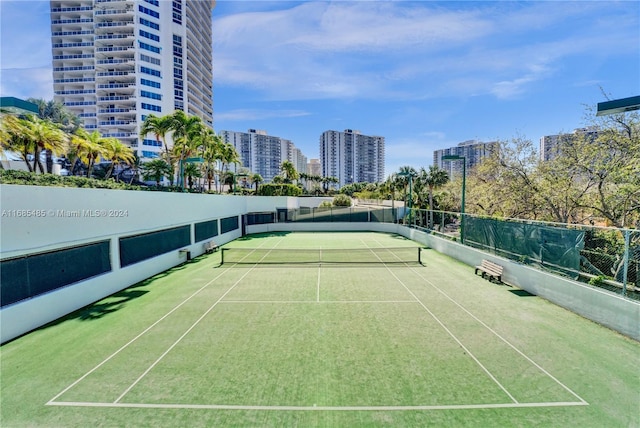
column 395, row 255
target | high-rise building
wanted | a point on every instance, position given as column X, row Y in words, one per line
column 314, row 167
column 472, row 150
column 263, row 154
column 550, row 145
column 352, row 157
column 117, row 61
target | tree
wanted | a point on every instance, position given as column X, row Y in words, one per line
column 14, row 137
column 432, row 179
column 256, row 179
column 191, row 171
column 58, row 114
column 211, row 152
column 86, row 148
column 159, row 127
column 228, row 156
column 155, row 170
column 46, row 136
column 186, row 130
column 289, row 173
column 116, row 152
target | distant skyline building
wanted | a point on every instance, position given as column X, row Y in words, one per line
column 263, row 154
column 117, row 61
column 352, row 157
column 550, row 145
column 472, row 150
column 314, row 167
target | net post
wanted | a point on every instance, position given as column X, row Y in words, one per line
column 222, row 251
column 420, row 255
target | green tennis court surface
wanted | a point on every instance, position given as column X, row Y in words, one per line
column 321, row 344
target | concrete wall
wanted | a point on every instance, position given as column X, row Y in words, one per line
column 36, row 219
column 601, row 306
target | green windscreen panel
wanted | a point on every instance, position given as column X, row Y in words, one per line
column 260, row 218
column 206, row 229
column 25, row 277
column 228, row 224
column 134, row 249
column 553, row 248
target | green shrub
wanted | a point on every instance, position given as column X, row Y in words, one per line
column 342, row 201
column 271, row 189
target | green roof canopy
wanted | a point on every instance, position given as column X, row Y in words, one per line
column 17, row 106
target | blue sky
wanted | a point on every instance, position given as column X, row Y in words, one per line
column 425, row 75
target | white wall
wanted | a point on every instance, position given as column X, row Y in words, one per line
column 140, row 212
column 37, row 219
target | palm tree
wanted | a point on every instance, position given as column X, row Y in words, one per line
column 289, row 173
column 86, row 148
column 45, row 137
column 228, row 155
column 210, row 148
column 256, row 179
column 14, row 137
column 433, row 179
column 158, row 126
column 191, row 171
column 116, row 152
column 57, row 113
column 156, row 170
column 186, row 130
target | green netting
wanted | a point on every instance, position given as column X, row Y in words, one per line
column 25, row 277
column 551, row 247
column 228, row 224
column 206, row 229
column 134, row 249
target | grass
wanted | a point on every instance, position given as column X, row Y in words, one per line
column 352, row 345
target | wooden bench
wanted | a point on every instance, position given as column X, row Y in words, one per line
column 492, row 270
column 210, row 247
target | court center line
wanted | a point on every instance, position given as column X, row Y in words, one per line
column 453, row 336
column 526, row 357
column 126, row 391
column 318, row 285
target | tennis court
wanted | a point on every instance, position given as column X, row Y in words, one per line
column 321, row 329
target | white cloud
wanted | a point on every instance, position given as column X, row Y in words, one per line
column 373, row 50
column 257, row 114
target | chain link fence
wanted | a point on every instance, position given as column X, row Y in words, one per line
column 603, row 257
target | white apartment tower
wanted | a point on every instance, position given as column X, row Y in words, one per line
column 263, row 154
column 472, row 151
column 352, row 157
column 117, row 61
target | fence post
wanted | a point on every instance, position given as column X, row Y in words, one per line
column 627, row 234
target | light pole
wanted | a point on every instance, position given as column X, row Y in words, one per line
column 464, row 179
column 410, row 175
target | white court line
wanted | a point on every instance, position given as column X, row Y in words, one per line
column 126, row 391
column 137, row 337
column 503, row 339
column 123, row 347
column 318, row 285
column 315, row 301
column 315, row 408
column 417, row 272
column 453, row 336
